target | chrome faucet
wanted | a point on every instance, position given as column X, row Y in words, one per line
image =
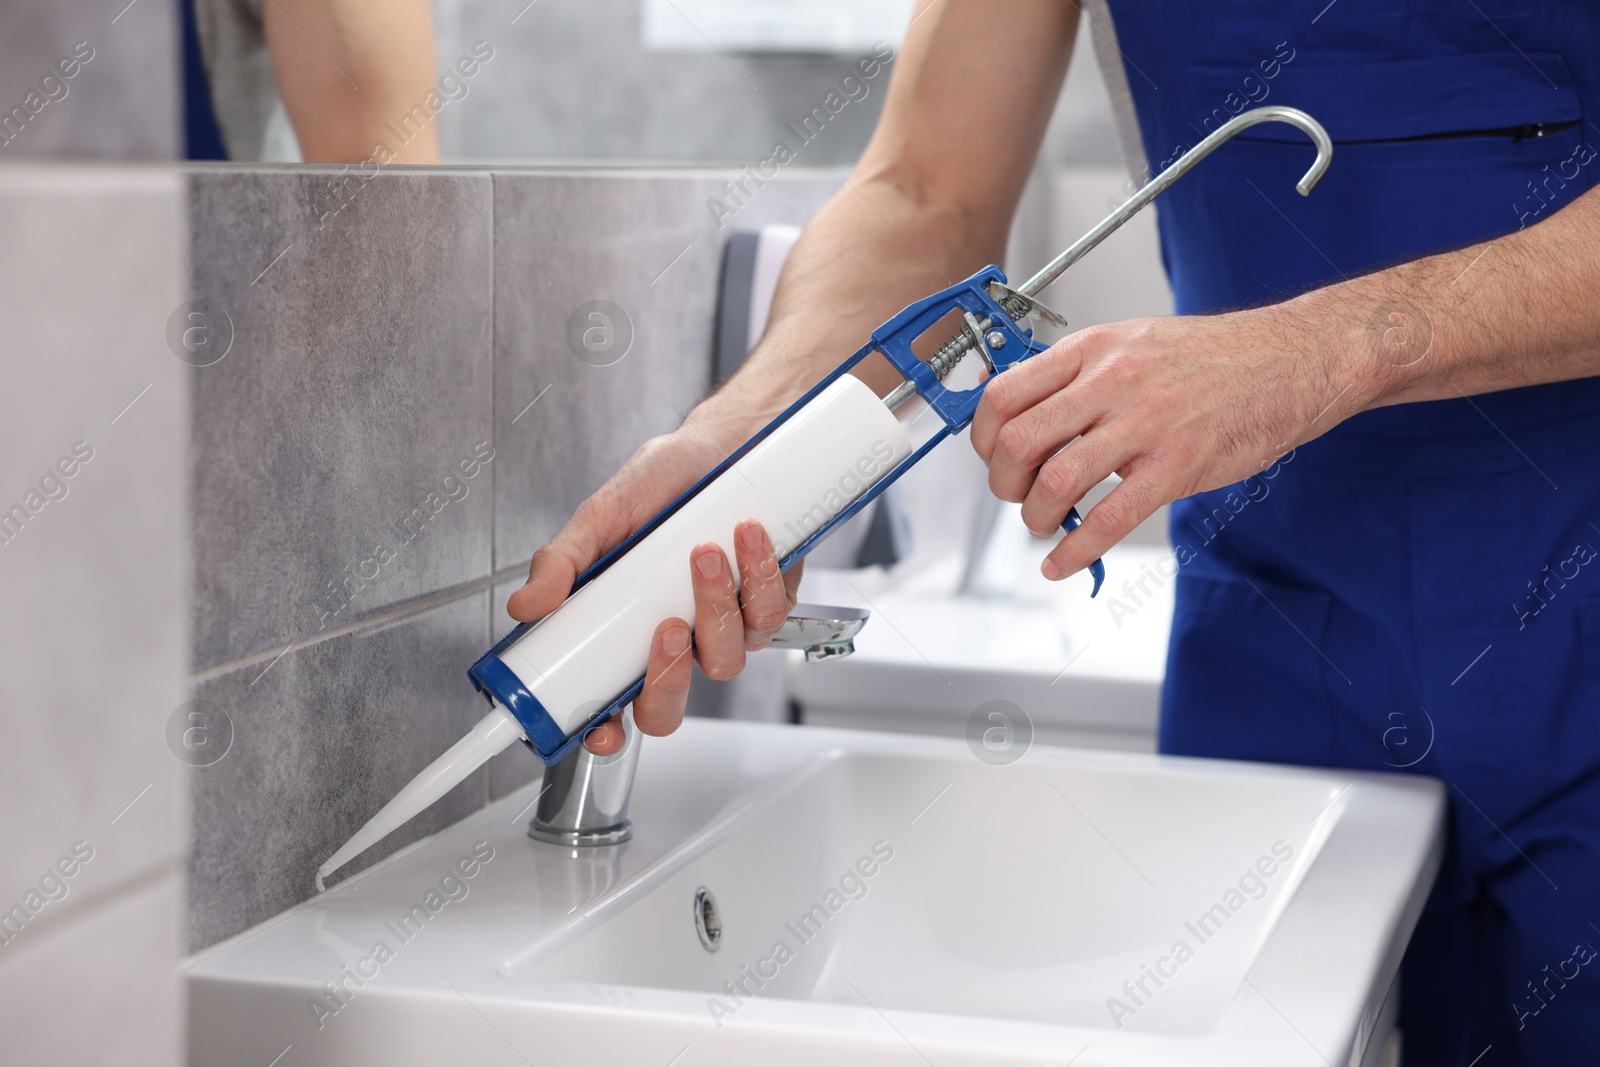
column 585, row 797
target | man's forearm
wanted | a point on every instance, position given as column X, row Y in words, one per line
column 1523, row 309
column 929, row 203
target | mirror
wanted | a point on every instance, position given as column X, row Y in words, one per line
column 763, row 83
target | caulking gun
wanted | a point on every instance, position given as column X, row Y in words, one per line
column 813, row 467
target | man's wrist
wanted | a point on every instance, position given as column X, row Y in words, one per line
column 729, row 416
column 1371, row 339
column 755, row 395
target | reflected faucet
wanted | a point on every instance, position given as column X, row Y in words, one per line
column 584, row 802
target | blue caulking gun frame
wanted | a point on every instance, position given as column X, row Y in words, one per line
column 989, row 311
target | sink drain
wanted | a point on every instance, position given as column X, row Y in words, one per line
column 706, row 921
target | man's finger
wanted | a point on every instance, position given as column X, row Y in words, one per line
column 1023, row 386
column 1063, row 481
column 791, row 584
column 761, row 588
column 1108, row 522
column 658, row 709
column 550, row 579
column 1027, row 443
column 718, row 622
column 605, row 739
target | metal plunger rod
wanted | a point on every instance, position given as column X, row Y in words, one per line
column 1159, row 184
column 952, row 351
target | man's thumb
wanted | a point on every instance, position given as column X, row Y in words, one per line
column 550, row 579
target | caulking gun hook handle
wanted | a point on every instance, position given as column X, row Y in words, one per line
column 1158, row 185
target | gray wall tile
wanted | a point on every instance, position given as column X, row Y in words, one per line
column 358, row 379
column 123, row 103
column 645, row 242
column 309, row 427
column 92, row 571
column 322, row 740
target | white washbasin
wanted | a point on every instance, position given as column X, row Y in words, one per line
column 979, row 915
column 1087, row 672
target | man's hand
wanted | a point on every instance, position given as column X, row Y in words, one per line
column 726, row 623
column 1173, row 405
column 1181, row 405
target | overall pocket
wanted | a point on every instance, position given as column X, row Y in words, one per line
column 1429, row 154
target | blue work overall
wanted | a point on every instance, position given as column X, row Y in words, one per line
column 1419, row 588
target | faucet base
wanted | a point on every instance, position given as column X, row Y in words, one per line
column 610, row 835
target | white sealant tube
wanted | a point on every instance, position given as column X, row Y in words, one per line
column 806, row 472
column 495, row 732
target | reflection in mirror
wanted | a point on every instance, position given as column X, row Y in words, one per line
column 325, row 81
column 750, row 83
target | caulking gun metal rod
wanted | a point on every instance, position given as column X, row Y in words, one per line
column 1159, row 184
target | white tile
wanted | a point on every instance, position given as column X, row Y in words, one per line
column 92, row 615
column 100, row 987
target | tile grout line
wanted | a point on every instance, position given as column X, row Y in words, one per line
column 401, row 611
column 494, row 315
column 494, row 436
